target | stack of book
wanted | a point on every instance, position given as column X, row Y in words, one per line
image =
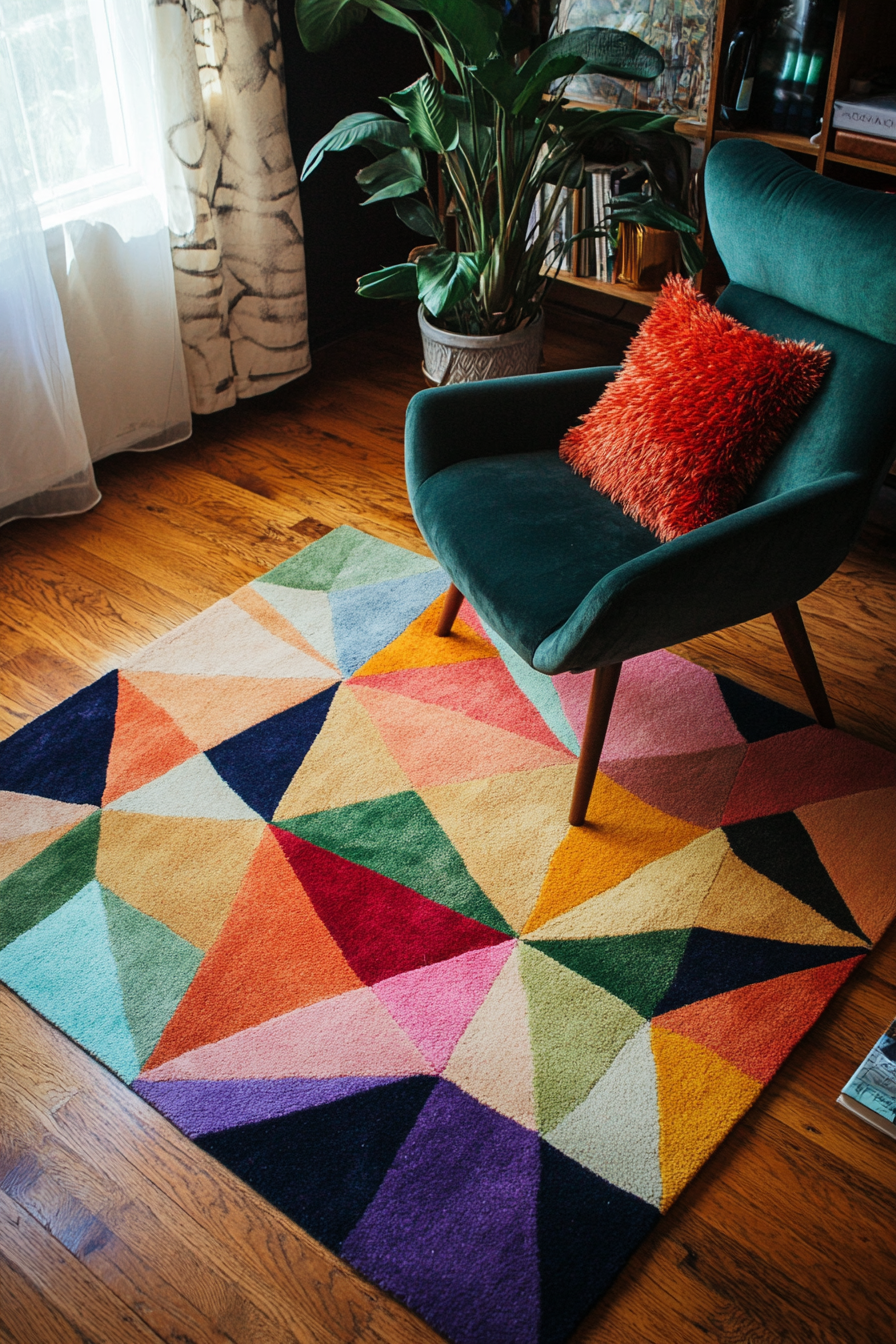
column 871, row 1091
column 865, row 128
column 587, row 208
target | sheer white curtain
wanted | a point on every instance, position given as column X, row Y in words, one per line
column 91, row 358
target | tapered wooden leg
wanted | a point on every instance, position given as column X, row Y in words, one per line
column 450, row 607
column 603, row 691
column 790, row 623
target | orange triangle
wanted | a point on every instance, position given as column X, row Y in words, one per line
column 620, row 835
column 147, row 743
column 254, row 605
column 699, row 1098
column 210, row 709
column 273, row 955
column 434, row 745
column 420, row 646
column 756, row 1027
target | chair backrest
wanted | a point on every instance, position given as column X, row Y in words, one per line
column 813, row 259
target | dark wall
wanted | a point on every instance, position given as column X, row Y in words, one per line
column 342, row 239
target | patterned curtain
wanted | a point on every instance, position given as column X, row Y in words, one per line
column 237, row 244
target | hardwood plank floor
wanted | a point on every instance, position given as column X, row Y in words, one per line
column 113, row 1227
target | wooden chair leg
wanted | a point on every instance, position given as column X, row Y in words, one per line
column 600, row 705
column 450, row 607
column 790, row 623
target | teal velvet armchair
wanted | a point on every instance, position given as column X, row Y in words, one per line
column 572, row 583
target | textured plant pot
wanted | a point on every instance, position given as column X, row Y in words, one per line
column 449, row 358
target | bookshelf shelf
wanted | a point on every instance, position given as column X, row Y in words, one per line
column 794, row 144
column 868, row 164
column 614, row 289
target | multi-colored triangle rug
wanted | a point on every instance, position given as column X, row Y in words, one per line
column 299, row 872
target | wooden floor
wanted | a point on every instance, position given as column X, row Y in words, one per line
column 113, row 1227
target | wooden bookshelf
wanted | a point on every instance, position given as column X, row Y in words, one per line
column 865, row 37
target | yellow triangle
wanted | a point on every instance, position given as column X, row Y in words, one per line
column 506, row 829
column 183, row 871
column 743, row 901
column 621, row 835
column 492, row 1061
column 348, row 763
column 699, row 1097
column 420, row 646
column 666, row 894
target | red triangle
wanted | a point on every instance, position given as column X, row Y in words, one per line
column 273, row 955
column 382, row 927
column 147, row 743
column 482, row 690
column 810, row 765
column 756, row 1027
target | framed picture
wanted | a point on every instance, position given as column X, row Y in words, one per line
column 681, row 29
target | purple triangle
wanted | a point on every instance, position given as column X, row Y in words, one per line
column 452, row 1229
column 207, row 1106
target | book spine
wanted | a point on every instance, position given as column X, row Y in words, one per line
column 872, row 147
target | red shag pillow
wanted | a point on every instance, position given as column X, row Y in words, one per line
column 699, row 406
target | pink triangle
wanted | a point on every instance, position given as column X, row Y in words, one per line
column 436, row 1004
column 351, row 1035
column 482, row 690
column 664, row 706
column 809, row 765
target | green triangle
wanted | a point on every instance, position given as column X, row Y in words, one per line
column 576, row 1030
column 346, row 558
column 399, row 837
column 155, row 968
column 637, row 967
column 48, row 880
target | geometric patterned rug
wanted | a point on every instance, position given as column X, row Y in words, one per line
column 299, row 872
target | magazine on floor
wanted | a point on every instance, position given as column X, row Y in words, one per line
column 871, row 1091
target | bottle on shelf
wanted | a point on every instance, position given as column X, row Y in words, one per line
column 739, row 73
column 795, row 51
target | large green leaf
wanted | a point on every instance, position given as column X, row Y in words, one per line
column 361, row 128
column 398, row 174
column 447, row 278
column 389, row 282
column 475, row 24
column 431, row 122
column 604, row 51
column 323, row 23
column 418, row 216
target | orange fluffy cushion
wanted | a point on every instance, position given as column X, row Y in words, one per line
column 699, row 406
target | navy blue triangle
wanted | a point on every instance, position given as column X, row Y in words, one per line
column 587, row 1229
column 781, row 849
column 260, row 762
column 322, row 1167
column 715, row 963
column 65, row 753
column 757, row 717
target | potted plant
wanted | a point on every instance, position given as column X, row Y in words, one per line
column 500, row 130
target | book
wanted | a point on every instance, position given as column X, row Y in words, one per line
column 874, row 116
column 872, row 147
column 871, row 1091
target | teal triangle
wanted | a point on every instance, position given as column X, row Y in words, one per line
column 46, row 882
column 64, row 968
column 400, row 838
column 539, row 689
column 637, row 967
column 155, row 968
column 347, row 558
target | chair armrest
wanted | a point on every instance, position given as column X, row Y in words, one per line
column 739, row 567
column 446, row 425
